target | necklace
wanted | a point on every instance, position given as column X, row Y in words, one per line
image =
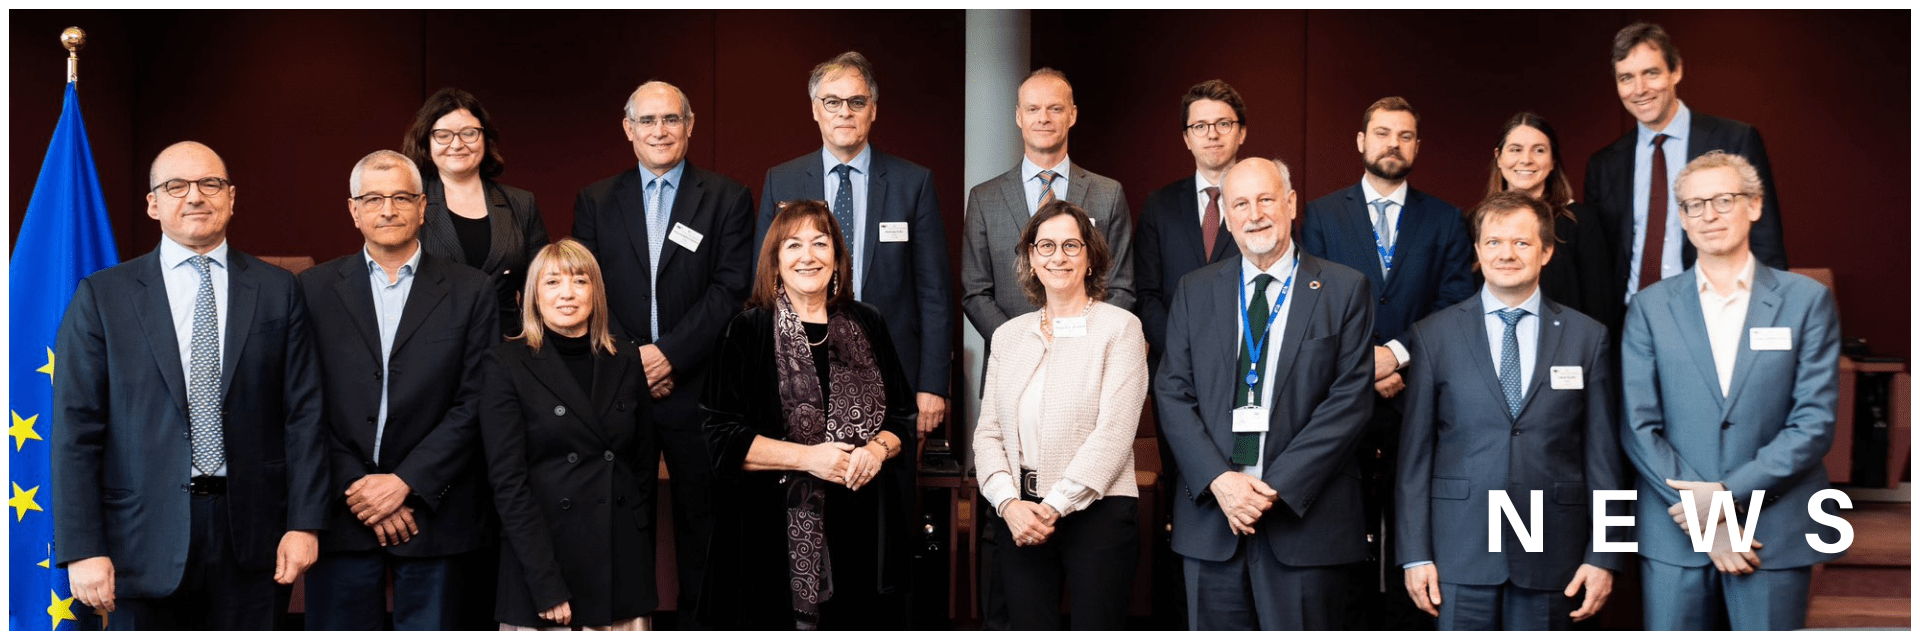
column 823, row 339
column 1046, row 324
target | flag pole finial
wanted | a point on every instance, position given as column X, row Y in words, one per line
column 73, row 38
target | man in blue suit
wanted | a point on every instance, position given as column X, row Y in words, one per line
column 189, row 474
column 1267, row 500
column 888, row 212
column 1416, row 255
column 1511, row 392
column 1731, row 387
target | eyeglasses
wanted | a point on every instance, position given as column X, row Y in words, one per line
column 1722, row 203
column 401, row 201
column 1072, row 247
column 468, row 135
column 1225, row 127
column 208, row 186
column 672, row 122
column 832, row 103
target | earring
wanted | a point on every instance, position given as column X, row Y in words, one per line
column 834, row 286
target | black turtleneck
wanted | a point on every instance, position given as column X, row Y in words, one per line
column 577, row 353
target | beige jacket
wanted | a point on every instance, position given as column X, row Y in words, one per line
column 1095, row 387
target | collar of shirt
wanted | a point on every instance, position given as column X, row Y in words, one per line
column 1741, row 283
column 172, row 254
column 1398, row 197
column 1676, row 130
column 1491, row 304
column 672, row 176
column 1030, row 171
column 861, row 162
column 411, row 266
column 1281, row 269
column 1200, row 184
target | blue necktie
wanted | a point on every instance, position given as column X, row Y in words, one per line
column 1510, row 359
column 203, row 384
column 656, row 242
column 843, row 201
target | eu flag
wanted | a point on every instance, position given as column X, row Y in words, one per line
column 64, row 238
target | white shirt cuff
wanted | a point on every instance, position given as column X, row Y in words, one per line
column 998, row 488
column 1399, row 353
column 1068, row 497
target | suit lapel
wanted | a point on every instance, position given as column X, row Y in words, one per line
column 1360, row 227
column 429, row 288
column 1763, row 307
column 354, row 292
column 1305, row 300
column 437, row 235
column 1077, row 185
column 1475, row 323
column 686, row 204
column 552, row 373
column 156, row 315
column 1012, row 187
column 876, row 194
column 1222, row 344
column 1551, row 331
column 500, row 223
column 1691, row 320
column 630, row 202
column 244, row 292
column 608, row 375
column 1184, row 232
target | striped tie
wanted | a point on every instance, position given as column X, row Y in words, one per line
column 1046, row 187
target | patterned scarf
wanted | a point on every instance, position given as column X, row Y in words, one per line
column 858, row 404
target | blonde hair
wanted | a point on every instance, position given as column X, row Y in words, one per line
column 570, row 257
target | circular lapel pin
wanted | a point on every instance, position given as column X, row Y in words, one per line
column 1315, row 285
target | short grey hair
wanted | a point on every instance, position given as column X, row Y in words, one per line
column 686, row 106
column 383, row 160
column 1286, row 175
column 1749, row 176
column 850, row 61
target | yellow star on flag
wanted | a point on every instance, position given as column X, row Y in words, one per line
column 22, row 430
column 45, row 563
column 48, row 369
column 22, row 502
column 61, row 609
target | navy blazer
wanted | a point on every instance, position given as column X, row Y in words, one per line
column 1323, row 397
column 1166, row 247
column 1458, row 442
column 432, row 437
column 1433, row 255
column 121, row 440
column 1770, row 431
column 910, row 282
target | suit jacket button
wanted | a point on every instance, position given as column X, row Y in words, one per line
column 559, row 410
column 566, row 504
column 620, row 499
column 623, row 406
column 1726, row 425
column 1516, row 432
column 608, row 456
column 573, row 458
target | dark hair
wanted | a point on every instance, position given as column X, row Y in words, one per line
column 1506, row 201
column 1559, row 189
column 1389, row 103
column 792, row 217
column 1099, row 255
column 1650, row 34
column 1217, row 90
column 850, row 61
column 418, row 144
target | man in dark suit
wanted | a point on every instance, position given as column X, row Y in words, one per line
column 1267, row 500
column 188, row 470
column 672, row 241
column 1415, row 252
column 1181, row 228
column 1509, row 392
column 1636, row 169
column 888, row 212
column 1734, row 380
column 405, row 333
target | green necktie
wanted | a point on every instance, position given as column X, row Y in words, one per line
column 1246, row 446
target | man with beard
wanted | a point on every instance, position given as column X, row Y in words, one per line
column 1415, row 252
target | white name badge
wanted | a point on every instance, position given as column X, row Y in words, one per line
column 1070, row 326
column 687, row 238
column 893, row 231
column 1250, row 419
column 1770, row 338
column 1567, row 378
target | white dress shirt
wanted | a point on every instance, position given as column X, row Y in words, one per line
column 1397, row 201
column 1675, row 148
column 1725, row 316
column 1030, row 174
column 183, row 287
column 1200, row 186
column 1281, row 270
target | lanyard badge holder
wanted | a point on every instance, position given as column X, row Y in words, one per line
column 1252, row 417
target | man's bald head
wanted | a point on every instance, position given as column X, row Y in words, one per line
column 183, row 150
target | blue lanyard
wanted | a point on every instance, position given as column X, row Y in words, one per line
column 1256, row 350
column 1386, row 252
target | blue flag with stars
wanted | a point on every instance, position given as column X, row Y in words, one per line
column 65, row 237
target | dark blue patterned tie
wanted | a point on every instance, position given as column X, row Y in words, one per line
column 1510, row 359
column 203, row 382
column 843, row 201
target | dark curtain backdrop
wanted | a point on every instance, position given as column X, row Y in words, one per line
column 292, row 98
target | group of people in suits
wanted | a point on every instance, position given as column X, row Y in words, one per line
column 785, row 365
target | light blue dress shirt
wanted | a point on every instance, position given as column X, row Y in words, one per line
column 1030, row 173
column 1675, row 148
column 183, row 286
column 1527, row 331
column 670, row 185
column 856, row 236
column 389, row 301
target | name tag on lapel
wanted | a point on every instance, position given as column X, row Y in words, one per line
column 1567, row 378
column 893, row 231
column 1250, row 419
column 1770, row 338
column 687, row 238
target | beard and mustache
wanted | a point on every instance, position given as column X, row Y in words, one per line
column 1377, row 166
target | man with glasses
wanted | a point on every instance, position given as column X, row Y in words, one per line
column 1181, row 228
column 189, row 474
column 890, row 217
column 672, row 241
column 405, row 332
column 1732, row 387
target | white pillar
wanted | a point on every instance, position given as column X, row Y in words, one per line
column 998, row 53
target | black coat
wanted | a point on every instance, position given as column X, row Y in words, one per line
column 518, row 234
column 574, row 484
column 747, row 583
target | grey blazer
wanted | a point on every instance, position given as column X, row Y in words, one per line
column 997, row 213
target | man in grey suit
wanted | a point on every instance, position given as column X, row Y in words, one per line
column 998, row 209
column 1509, row 392
column 1267, row 500
column 1732, row 388
column 889, row 214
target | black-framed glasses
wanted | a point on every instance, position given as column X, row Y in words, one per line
column 673, row 122
column 1073, row 248
column 401, row 201
column 833, row 102
column 468, row 135
column 208, row 186
column 1722, row 203
column 1225, row 127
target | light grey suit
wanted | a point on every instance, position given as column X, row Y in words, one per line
column 1769, row 432
column 997, row 213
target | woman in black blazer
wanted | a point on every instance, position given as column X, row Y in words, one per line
column 470, row 218
column 1526, row 158
column 570, row 456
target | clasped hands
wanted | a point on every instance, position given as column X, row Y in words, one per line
column 1032, row 523
column 1386, row 378
column 1724, row 557
column 378, row 500
column 843, row 463
column 1423, row 586
column 1243, row 499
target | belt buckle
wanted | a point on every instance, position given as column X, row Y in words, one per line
column 1030, row 482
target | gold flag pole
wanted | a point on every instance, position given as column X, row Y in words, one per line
column 73, row 38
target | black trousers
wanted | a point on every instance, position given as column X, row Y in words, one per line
column 1252, row 590
column 1092, row 553
column 215, row 592
column 685, row 449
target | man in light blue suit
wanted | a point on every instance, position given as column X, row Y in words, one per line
column 1509, row 391
column 1729, row 385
